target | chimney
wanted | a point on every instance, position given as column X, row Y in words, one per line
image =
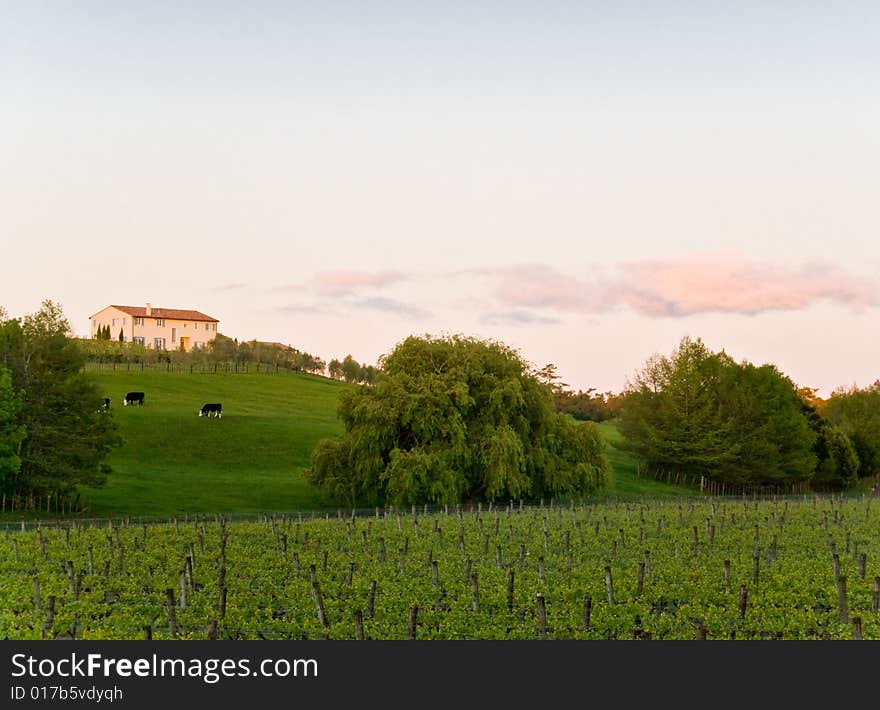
column 149, row 309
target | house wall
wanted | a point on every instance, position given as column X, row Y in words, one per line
column 116, row 319
column 198, row 332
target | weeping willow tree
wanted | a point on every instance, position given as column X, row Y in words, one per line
column 456, row 419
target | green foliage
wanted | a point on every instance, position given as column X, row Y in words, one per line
column 452, row 419
column 700, row 413
column 109, row 581
column 11, row 432
column 856, row 412
column 66, row 436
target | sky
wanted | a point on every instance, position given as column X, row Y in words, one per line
column 587, row 182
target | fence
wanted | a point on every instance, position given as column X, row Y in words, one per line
column 202, row 368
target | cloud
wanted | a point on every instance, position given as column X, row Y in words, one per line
column 390, row 305
column 344, row 283
column 708, row 283
column 729, row 283
column 517, row 317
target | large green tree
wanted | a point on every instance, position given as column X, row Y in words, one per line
column 455, row 419
column 66, row 435
column 702, row 414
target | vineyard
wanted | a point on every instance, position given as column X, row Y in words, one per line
column 795, row 568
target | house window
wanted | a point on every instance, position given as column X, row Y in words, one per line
column 138, row 321
column 159, row 343
column 114, row 321
column 174, row 335
column 137, row 341
column 160, row 322
column 196, row 326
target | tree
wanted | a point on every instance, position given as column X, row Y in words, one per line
column 121, row 337
column 11, row 432
column 456, row 419
column 66, row 437
column 350, row 369
column 334, row 369
column 856, row 412
column 702, row 414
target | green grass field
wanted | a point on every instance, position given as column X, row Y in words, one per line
column 253, row 458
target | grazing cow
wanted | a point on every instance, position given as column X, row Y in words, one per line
column 106, row 403
column 211, row 410
column 132, row 398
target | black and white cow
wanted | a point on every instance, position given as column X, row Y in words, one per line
column 106, row 404
column 211, row 410
column 133, row 398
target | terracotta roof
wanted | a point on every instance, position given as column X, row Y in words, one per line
column 272, row 345
column 169, row 313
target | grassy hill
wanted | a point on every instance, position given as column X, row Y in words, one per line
column 253, row 458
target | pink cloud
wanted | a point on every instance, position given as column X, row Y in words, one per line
column 729, row 283
column 720, row 283
column 341, row 283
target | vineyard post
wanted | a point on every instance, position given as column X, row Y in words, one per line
column 36, row 593
column 842, row 606
column 510, row 577
column 857, row 628
column 609, row 588
column 743, row 601
column 148, row 632
column 371, row 599
column 863, row 561
column 640, row 582
column 172, row 617
column 542, row 616
column 411, row 625
column 727, row 575
column 358, row 625
column 588, row 610
column 475, row 591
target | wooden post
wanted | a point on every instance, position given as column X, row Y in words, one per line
column 148, row 633
column 835, row 561
column 435, row 573
column 172, row 617
column 727, row 575
column 183, row 585
column 701, row 632
column 542, row 616
column 640, row 582
column 510, row 591
column 609, row 588
column 223, row 594
column 863, row 561
column 756, row 566
column 413, row 620
column 857, row 628
column 371, row 599
column 317, row 597
column 743, row 601
column 875, row 605
column 475, row 592
column 842, row 606
column 588, row 610
column 358, row 625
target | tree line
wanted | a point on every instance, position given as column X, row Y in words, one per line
column 223, row 349
column 701, row 413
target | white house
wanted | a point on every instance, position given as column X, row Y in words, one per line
column 158, row 328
